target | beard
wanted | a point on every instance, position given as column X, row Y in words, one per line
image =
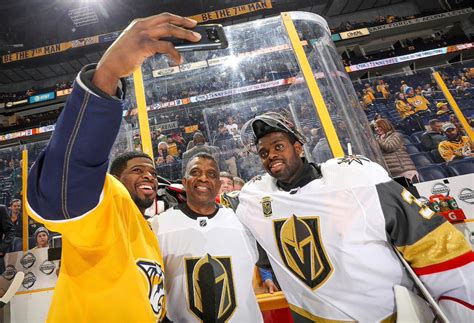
column 144, row 203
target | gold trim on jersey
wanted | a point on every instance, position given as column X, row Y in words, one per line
column 392, row 318
column 314, row 318
column 224, row 304
column 301, row 249
column 451, row 244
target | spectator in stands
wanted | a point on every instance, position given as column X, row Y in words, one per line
column 427, row 91
column 225, row 141
column 42, row 238
column 7, row 234
column 162, row 150
column 227, row 182
column 404, row 109
column 199, row 145
column 370, row 89
column 455, row 146
column 158, row 136
column 394, row 150
column 368, row 99
column 442, row 108
column 321, row 151
column 431, row 138
column 173, row 148
column 418, row 102
column 238, row 183
column 403, row 86
column 249, row 163
column 455, row 121
column 383, row 89
column 15, row 216
column 232, row 128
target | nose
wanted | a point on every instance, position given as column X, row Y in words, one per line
column 203, row 178
column 272, row 154
column 149, row 175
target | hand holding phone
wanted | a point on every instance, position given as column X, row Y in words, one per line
column 212, row 37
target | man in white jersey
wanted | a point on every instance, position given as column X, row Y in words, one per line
column 328, row 232
column 209, row 255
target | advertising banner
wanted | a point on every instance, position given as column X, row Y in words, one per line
column 37, row 52
column 459, row 187
column 40, row 273
column 421, row 19
column 233, row 11
column 354, row 33
column 41, row 97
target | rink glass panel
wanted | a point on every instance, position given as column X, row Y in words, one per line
column 216, row 92
column 11, row 185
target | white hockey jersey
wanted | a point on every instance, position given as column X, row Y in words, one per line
column 209, row 266
column 328, row 244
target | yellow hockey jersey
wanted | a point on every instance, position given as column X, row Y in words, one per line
column 110, row 262
column 449, row 150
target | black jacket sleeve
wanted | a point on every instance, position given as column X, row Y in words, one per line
column 8, row 230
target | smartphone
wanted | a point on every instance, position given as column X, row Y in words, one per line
column 212, row 37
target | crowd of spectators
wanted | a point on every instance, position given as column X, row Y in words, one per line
column 379, row 20
column 408, row 46
column 11, row 193
column 423, row 122
column 17, row 96
column 30, row 121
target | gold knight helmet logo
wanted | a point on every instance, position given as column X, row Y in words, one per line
column 300, row 246
column 210, row 288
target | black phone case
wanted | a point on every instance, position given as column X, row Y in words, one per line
column 212, row 37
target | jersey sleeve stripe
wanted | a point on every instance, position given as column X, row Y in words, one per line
column 457, row 262
column 421, row 254
column 39, row 218
column 457, row 300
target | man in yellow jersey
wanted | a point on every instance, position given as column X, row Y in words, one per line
column 419, row 102
column 455, row 146
column 111, row 266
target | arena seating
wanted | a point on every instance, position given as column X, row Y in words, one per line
column 461, row 167
column 421, row 159
column 432, row 172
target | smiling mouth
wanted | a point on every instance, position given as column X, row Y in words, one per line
column 275, row 166
column 146, row 188
column 200, row 188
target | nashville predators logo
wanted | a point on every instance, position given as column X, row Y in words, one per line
column 299, row 243
column 156, row 291
column 210, row 288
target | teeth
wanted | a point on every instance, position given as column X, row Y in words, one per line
column 147, row 187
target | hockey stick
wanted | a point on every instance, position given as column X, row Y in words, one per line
column 421, row 287
column 12, row 289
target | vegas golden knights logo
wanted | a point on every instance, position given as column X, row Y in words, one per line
column 210, row 288
column 299, row 243
column 267, row 206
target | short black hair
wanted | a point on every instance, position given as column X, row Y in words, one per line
column 120, row 162
column 202, row 155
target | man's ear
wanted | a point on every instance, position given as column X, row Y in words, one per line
column 298, row 147
column 183, row 181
